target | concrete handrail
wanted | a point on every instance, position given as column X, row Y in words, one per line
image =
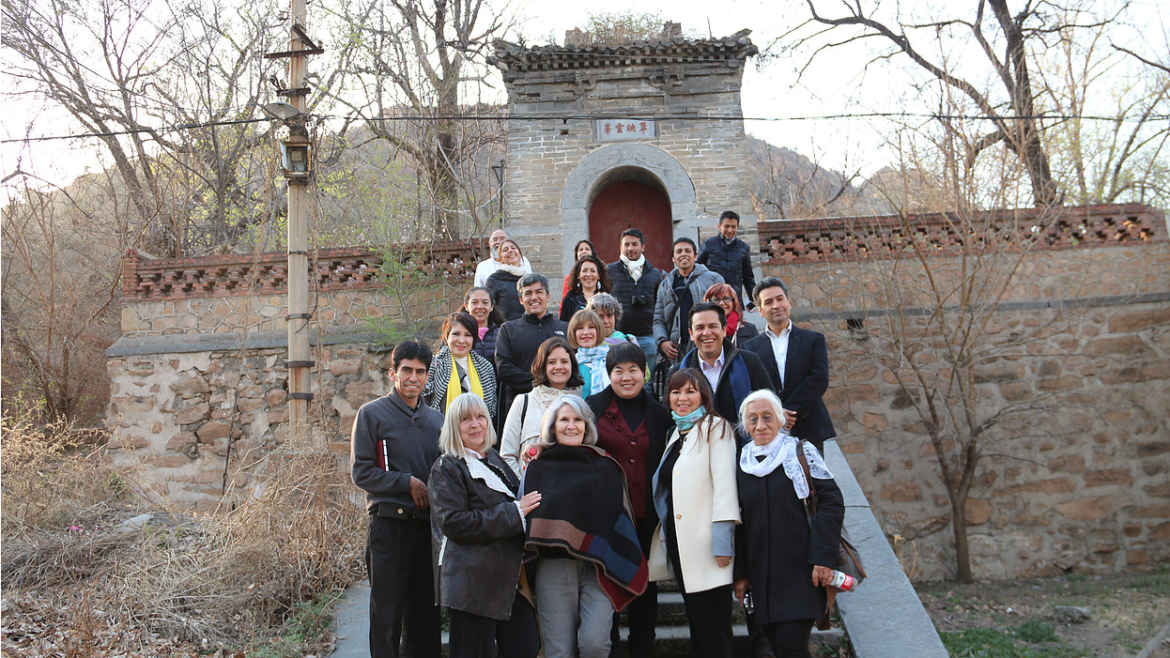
column 883, row 616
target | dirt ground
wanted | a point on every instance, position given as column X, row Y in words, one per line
column 1125, row 612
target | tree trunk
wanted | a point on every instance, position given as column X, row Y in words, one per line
column 962, row 546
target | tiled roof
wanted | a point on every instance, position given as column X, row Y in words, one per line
column 679, row 50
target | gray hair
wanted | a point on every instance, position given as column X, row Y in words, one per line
column 548, row 430
column 768, row 396
column 603, row 302
column 529, row 279
column 450, row 438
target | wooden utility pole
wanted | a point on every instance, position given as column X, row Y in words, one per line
column 296, row 159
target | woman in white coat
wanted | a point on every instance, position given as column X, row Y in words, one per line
column 696, row 499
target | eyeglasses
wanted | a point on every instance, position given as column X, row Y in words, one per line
column 722, row 300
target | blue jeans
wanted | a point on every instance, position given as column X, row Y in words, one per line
column 650, row 348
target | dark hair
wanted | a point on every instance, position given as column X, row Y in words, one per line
column 768, row 282
column 729, row 214
column 726, row 291
column 592, row 249
column 459, row 317
column 632, row 232
column 603, row 283
column 529, row 279
column 540, row 363
column 495, row 317
column 410, row 349
column 695, row 378
column 626, row 352
column 686, row 240
column 703, row 307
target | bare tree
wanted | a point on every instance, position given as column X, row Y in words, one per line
column 170, row 92
column 1004, row 41
column 413, row 67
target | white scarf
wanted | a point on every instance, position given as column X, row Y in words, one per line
column 518, row 270
column 634, row 266
column 782, row 450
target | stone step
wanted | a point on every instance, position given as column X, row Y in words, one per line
column 675, row 641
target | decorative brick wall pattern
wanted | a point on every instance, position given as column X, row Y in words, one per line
column 1080, row 483
column 356, row 268
column 843, row 239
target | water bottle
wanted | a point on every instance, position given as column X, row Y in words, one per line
column 842, row 581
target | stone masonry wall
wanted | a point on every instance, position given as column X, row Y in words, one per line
column 696, row 104
column 1082, row 482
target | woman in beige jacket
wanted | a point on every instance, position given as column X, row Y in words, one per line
column 696, row 499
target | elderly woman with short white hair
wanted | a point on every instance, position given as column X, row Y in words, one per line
column 477, row 523
column 785, row 554
column 588, row 561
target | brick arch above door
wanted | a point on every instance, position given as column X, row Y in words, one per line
column 595, row 169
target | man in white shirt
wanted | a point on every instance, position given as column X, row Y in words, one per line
column 487, row 267
column 797, row 362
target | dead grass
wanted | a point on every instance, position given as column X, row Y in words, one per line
column 90, row 559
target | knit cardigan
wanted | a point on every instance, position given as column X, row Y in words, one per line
column 439, row 375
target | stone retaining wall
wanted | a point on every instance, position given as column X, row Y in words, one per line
column 1081, row 482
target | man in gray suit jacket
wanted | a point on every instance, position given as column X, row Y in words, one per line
column 797, row 361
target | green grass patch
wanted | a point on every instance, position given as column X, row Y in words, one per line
column 1032, row 639
column 302, row 630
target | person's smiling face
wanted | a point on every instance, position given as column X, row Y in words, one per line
column 473, row 430
column 685, row 399
column 479, row 305
column 459, row 340
column 559, row 368
column 569, row 427
column 588, row 276
column 627, row 380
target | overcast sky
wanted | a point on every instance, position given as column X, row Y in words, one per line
column 836, row 84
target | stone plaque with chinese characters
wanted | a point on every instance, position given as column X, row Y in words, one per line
column 624, row 130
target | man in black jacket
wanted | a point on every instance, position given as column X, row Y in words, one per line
column 518, row 339
column 635, row 284
column 732, row 372
column 797, row 362
column 394, row 444
column 730, row 257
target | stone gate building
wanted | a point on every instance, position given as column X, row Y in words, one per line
column 601, row 138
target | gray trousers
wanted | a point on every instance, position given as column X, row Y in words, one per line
column 575, row 615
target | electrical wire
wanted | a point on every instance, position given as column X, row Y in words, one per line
column 565, row 118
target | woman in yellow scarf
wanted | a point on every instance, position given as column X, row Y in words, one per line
column 456, row 369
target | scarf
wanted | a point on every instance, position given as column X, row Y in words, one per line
column 732, row 322
column 453, row 386
column 585, row 511
column 518, row 270
column 634, row 267
column 685, row 423
column 594, row 358
column 782, row 451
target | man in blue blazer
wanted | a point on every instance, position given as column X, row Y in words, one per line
column 797, row 361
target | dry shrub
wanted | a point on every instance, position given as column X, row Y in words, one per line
column 230, row 578
column 50, row 481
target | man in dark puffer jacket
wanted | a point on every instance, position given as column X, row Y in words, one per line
column 731, row 258
column 636, row 294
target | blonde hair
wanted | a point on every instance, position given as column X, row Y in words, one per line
column 450, row 438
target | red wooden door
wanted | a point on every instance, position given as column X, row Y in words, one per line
column 632, row 204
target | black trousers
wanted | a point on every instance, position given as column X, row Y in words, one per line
column 642, row 612
column 709, row 618
column 790, row 638
column 473, row 636
column 402, row 588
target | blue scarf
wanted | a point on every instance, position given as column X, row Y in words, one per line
column 685, row 423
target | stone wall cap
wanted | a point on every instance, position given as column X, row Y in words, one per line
column 258, row 340
column 680, row 50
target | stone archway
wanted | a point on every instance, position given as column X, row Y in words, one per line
column 604, row 166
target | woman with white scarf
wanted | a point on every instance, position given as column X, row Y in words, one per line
column 457, row 369
column 585, row 335
column 554, row 374
column 779, row 540
column 502, row 282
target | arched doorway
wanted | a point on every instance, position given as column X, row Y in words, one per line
column 630, row 202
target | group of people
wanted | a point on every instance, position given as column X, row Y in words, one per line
column 595, row 491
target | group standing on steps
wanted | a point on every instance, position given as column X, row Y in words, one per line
column 526, row 478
